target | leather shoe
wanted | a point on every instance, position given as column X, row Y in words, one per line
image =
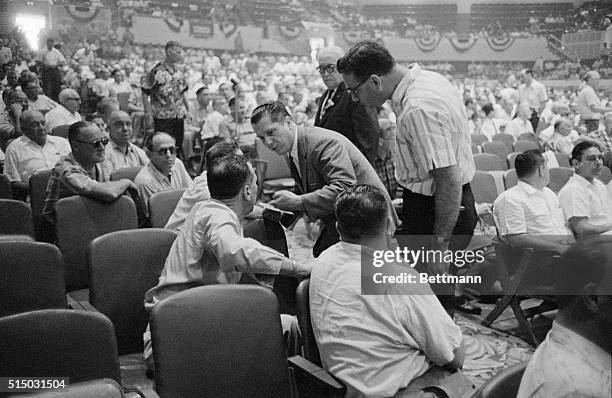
column 462, row 304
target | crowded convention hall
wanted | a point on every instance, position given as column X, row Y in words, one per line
column 306, row 198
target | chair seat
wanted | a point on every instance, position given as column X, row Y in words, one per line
column 279, row 183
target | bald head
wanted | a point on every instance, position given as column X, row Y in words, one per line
column 70, row 99
column 120, row 127
column 327, row 59
column 34, row 126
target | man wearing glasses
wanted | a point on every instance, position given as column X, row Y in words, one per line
column 164, row 171
column 338, row 112
column 434, row 162
column 67, row 112
column 80, row 172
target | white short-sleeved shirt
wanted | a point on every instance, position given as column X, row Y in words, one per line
column 24, row 157
column 532, row 95
column 150, row 180
column 518, row 126
column 60, row 116
column 581, row 198
column 524, row 209
column 586, row 98
column 197, row 192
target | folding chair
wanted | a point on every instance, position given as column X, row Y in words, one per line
column 559, row 177
column 5, row 187
column 489, row 162
column 15, row 218
column 478, row 139
column 475, row 149
column 498, row 148
column 102, row 388
column 522, row 146
column 61, row 131
column 512, row 159
column 484, row 187
column 162, row 205
column 32, row 277
column 125, row 172
column 38, row 185
column 528, row 137
column 563, row 159
column 510, row 178
column 79, row 221
column 505, row 384
column 507, row 139
column 277, row 175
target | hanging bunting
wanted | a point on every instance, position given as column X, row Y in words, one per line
column 428, row 42
column 82, row 14
column 500, row 43
column 462, row 44
column 289, row 32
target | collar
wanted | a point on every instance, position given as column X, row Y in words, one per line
column 527, row 188
column 29, row 141
column 158, row 173
column 414, row 70
column 116, row 146
column 583, row 182
column 294, row 148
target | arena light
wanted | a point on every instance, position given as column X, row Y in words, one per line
column 31, row 25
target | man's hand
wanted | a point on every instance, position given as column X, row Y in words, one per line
column 286, row 200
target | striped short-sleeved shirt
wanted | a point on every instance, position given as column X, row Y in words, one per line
column 432, row 130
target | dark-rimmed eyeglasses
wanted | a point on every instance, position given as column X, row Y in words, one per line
column 593, row 158
column 331, row 68
column 164, row 151
column 95, row 143
column 353, row 91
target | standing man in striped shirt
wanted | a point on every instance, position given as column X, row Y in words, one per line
column 434, row 162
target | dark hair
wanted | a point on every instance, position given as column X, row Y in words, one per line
column 584, row 262
column 227, row 175
column 172, row 43
column 581, row 147
column 218, row 150
column 366, row 58
column 27, row 79
column 148, row 143
column 361, row 211
column 115, row 71
column 274, row 109
column 74, row 131
column 528, row 162
column 198, row 91
column 487, row 108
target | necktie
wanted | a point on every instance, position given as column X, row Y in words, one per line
column 295, row 174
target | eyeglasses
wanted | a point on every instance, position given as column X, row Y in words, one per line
column 164, row 151
column 74, row 98
column 593, row 158
column 331, row 68
column 353, row 91
column 95, row 143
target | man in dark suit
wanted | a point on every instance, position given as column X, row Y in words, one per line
column 337, row 112
column 323, row 164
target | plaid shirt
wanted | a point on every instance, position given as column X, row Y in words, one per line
column 603, row 137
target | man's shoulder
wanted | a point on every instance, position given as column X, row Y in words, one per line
column 144, row 176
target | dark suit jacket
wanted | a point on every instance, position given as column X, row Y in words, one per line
column 328, row 164
column 353, row 120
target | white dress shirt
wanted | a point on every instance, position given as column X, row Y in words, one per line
column 24, row 157
column 59, row 116
column 197, row 192
column 581, row 198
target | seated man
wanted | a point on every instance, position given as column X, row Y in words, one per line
column 66, row 112
column 79, row 172
column 563, row 137
column 528, row 214
column 37, row 100
column 211, row 248
column 164, row 171
column 574, row 359
column 380, row 343
column 584, row 199
column 238, row 128
column 520, row 124
column 120, row 152
column 10, row 126
column 34, row 150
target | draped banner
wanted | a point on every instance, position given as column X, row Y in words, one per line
column 289, row 32
column 174, row 24
column 201, row 29
column 228, row 28
column 428, row 42
column 500, row 43
column 82, row 14
column 463, row 44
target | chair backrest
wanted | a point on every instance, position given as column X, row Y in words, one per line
column 277, row 166
column 528, row 137
column 512, row 159
column 15, row 218
column 605, row 176
column 219, row 341
column 79, row 221
column 510, row 178
column 563, row 159
column 79, row 345
column 61, row 131
column 607, row 159
column 478, row 139
column 125, row 172
column 123, row 265
column 489, row 162
column 38, row 185
column 32, row 277
column 123, row 99
column 5, row 188
column 102, row 388
column 498, row 148
column 559, row 177
column 505, row 384
column 483, row 187
column 507, row 139
column 162, row 205
column 311, row 351
column 475, row 148
column 522, row 146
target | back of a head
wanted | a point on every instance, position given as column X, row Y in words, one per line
column 361, row 212
column 74, row 131
column 366, row 58
column 528, row 162
column 487, row 108
column 65, row 94
column 218, row 150
column 276, row 110
column 227, row 175
column 106, row 106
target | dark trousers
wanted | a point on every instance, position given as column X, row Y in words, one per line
column 174, row 127
column 535, row 119
column 591, row 124
column 52, row 82
column 418, row 215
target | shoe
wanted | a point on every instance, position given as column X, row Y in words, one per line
column 462, row 304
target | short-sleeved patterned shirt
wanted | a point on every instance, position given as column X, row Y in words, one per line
column 165, row 85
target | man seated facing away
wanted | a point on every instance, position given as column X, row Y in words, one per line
column 376, row 344
column 120, row 152
column 574, row 360
column 528, row 214
column 34, row 150
column 66, row 112
column 164, row 171
column 80, row 173
column 584, row 199
column 211, row 247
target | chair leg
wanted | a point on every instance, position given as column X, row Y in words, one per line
column 497, row 311
column 524, row 324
